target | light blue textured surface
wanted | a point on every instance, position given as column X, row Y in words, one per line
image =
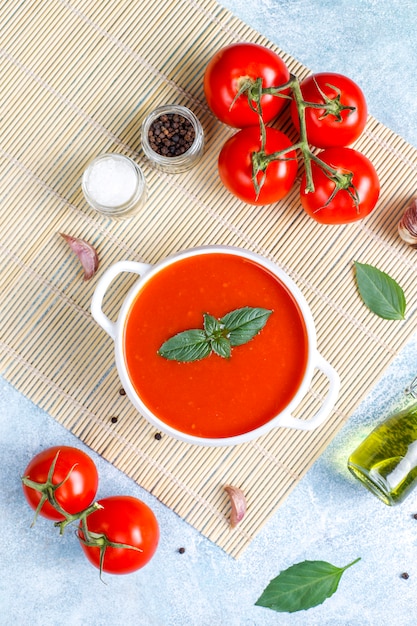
column 45, row 579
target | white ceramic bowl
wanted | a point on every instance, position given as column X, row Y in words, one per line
column 116, row 332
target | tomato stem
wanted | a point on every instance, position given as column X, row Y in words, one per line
column 331, row 106
column 277, row 90
column 342, row 181
column 89, row 538
column 100, row 541
column 48, row 489
column 81, row 516
column 303, row 143
column 261, row 160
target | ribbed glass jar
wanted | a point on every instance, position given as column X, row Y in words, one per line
column 177, row 163
column 114, row 185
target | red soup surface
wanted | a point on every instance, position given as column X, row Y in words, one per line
column 215, row 397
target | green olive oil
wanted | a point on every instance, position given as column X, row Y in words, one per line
column 386, row 461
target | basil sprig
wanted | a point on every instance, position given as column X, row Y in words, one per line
column 381, row 293
column 217, row 335
column 302, row 586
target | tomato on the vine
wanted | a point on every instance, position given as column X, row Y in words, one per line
column 74, row 469
column 232, row 67
column 236, row 166
column 122, row 520
column 344, row 119
column 328, row 205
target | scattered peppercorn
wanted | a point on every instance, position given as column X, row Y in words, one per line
column 405, row 575
column 158, row 436
column 113, row 419
column 181, row 550
column 122, row 392
column 415, row 515
column 171, row 135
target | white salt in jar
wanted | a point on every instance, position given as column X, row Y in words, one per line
column 114, row 185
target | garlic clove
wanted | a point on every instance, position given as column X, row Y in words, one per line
column 238, row 502
column 86, row 254
column 407, row 226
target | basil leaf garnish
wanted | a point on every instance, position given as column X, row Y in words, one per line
column 212, row 325
column 218, row 336
column 190, row 345
column 381, row 293
column 221, row 346
column 302, row 586
column 243, row 324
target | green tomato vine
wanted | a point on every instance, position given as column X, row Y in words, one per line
column 90, row 539
column 261, row 160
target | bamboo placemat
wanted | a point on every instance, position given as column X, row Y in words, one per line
column 77, row 78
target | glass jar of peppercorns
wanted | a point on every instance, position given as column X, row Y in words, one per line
column 172, row 138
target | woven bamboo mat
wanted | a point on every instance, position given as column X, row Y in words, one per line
column 77, row 78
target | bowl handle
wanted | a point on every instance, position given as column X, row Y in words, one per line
column 288, row 421
column 102, row 286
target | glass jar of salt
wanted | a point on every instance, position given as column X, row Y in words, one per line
column 114, row 185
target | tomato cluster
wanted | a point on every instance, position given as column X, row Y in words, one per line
column 118, row 534
column 246, row 86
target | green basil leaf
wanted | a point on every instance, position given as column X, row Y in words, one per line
column 218, row 336
column 241, row 325
column 302, row 586
column 221, row 346
column 381, row 294
column 212, row 325
column 189, row 345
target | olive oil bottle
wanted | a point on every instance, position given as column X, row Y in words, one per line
column 386, row 461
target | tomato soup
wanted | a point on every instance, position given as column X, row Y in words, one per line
column 215, row 397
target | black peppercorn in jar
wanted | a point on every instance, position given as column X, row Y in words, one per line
column 172, row 138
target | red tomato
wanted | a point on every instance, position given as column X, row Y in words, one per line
column 235, row 166
column 341, row 209
column 225, row 73
column 329, row 130
column 76, row 493
column 123, row 520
